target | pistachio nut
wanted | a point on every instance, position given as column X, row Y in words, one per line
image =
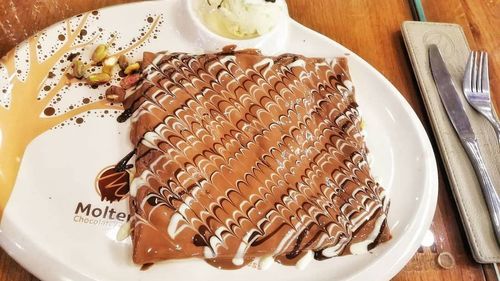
column 132, row 68
column 123, row 62
column 99, row 78
column 78, row 69
column 100, row 53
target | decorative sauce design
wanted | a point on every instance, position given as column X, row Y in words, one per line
column 242, row 157
column 33, row 84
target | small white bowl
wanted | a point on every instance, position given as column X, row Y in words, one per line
column 270, row 42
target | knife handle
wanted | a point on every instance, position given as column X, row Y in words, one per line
column 489, row 192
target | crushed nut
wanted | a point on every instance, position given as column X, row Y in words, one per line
column 123, row 62
column 108, row 64
column 78, row 69
column 115, row 94
column 72, row 56
column 132, row 68
column 99, row 78
column 100, row 53
column 129, row 81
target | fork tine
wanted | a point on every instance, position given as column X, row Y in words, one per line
column 479, row 77
column 485, row 80
column 474, row 71
column 468, row 73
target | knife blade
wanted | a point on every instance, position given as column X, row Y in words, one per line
column 456, row 112
column 449, row 95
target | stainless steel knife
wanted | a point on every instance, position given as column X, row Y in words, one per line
column 460, row 121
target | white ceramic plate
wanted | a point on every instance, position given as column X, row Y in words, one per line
column 43, row 227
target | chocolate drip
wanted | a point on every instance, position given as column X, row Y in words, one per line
column 123, row 164
column 125, row 115
column 146, row 266
column 296, row 249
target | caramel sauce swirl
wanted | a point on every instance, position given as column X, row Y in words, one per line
column 240, row 156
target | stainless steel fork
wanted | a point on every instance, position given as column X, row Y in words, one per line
column 477, row 88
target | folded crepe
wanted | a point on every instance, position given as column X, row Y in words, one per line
column 242, row 157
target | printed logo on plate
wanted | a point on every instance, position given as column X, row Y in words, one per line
column 111, row 186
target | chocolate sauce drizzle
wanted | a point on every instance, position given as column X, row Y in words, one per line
column 244, row 155
column 123, row 163
column 124, row 116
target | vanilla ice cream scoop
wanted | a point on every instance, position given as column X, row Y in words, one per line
column 241, row 19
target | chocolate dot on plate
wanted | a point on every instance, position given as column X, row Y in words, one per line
column 86, row 100
column 49, row 111
column 71, row 107
column 79, row 120
column 95, row 13
column 18, row 71
column 46, row 88
column 61, row 37
column 83, row 32
column 150, row 19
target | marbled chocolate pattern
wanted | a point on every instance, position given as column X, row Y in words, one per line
column 241, row 156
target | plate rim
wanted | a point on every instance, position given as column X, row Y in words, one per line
column 28, row 259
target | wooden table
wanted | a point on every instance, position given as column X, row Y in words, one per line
column 372, row 30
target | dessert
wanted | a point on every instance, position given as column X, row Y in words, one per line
column 243, row 158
